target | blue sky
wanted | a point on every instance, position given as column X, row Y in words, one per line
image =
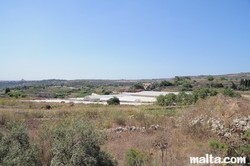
column 125, row 39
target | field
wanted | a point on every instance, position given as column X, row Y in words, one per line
column 213, row 118
column 160, row 134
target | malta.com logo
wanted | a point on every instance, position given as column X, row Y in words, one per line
column 209, row 159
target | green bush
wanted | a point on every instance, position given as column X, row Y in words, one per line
column 7, row 90
column 186, row 86
column 113, row 101
column 217, row 85
column 15, row 148
column 134, row 157
column 218, row 145
column 160, row 100
column 210, row 78
column 230, row 93
column 106, row 92
column 137, row 86
column 76, row 142
column 166, row 83
column 183, row 99
column 17, row 94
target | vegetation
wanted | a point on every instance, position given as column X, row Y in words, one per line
column 166, row 83
column 230, row 93
column 135, row 158
column 210, row 78
column 186, row 86
column 113, row 101
column 167, row 132
column 76, row 142
column 15, row 148
column 7, row 90
column 183, row 99
column 137, row 86
column 17, row 94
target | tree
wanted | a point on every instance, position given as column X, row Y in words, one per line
column 160, row 100
column 233, row 86
column 186, row 86
column 7, row 90
column 210, row 78
column 165, row 83
column 170, row 99
column 167, row 100
column 137, row 86
column 113, row 101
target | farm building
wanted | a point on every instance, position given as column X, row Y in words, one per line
column 46, row 95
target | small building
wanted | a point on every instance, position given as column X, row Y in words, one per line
column 46, row 94
column 147, row 85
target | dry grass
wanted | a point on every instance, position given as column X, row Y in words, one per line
column 182, row 141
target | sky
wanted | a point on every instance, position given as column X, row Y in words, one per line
column 123, row 39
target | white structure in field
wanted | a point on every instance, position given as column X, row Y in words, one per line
column 138, row 97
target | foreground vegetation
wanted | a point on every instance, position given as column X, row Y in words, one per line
column 77, row 134
column 166, row 133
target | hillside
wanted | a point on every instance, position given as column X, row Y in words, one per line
column 82, row 82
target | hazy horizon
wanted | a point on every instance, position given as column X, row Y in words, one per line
column 123, row 39
column 128, row 79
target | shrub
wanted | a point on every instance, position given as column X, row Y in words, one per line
column 166, row 83
column 186, row 86
column 217, row 145
column 17, row 94
column 210, row 78
column 138, row 86
column 120, row 120
column 76, row 142
column 106, row 92
column 113, row 101
column 213, row 92
column 170, row 99
column 230, row 93
column 160, row 100
column 134, row 157
column 15, row 148
column 217, row 85
column 184, row 99
column 7, row 90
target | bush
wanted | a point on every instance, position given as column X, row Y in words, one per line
column 201, row 94
column 217, row 85
column 135, row 158
column 167, row 100
column 15, row 148
column 230, row 93
column 113, row 101
column 17, row 94
column 7, row 90
column 165, row 83
column 76, row 142
column 106, row 92
column 160, row 100
column 217, row 145
column 210, row 78
column 120, row 120
column 186, row 86
column 183, row 98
